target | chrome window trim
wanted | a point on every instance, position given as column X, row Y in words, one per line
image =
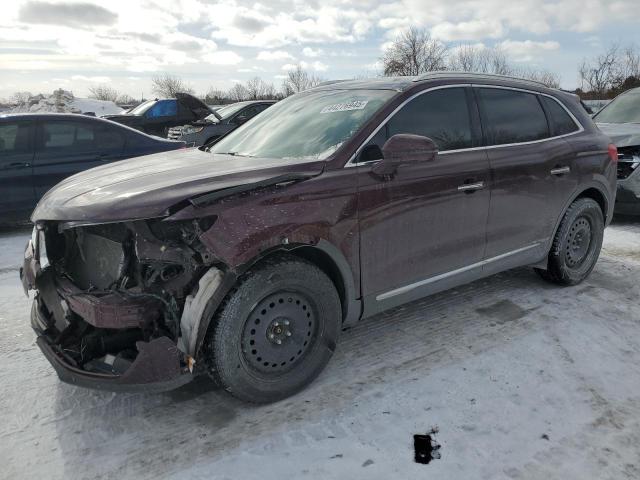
column 443, row 276
column 353, row 163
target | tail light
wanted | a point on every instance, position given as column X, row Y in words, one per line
column 613, row 153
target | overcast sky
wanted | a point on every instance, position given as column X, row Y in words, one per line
column 74, row 45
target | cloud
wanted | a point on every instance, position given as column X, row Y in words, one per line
column 317, row 66
column 471, row 30
column 250, row 23
column 527, row 50
column 223, row 57
column 268, row 55
column 95, row 79
column 310, row 52
column 79, row 15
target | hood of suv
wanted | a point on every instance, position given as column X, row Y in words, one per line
column 147, row 187
column 622, row 134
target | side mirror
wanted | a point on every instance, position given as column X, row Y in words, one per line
column 405, row 148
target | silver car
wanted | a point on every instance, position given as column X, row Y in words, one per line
column 219, row 123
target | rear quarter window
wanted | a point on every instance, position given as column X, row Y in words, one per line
column 512, row 116
column 561, row 122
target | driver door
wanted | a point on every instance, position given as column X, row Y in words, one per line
column 423, row 229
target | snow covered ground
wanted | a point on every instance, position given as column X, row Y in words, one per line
column 524, row 381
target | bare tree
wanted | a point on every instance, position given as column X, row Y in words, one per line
column 479, row 59
column 258, row 89
column 600, row 73
column 166, row 85
column 20, row 98
column 414, row 52
column 549, row 78
column 103, row 92
column 215, row 96
column 125, row 99
column 299, row 80
column 238, row 93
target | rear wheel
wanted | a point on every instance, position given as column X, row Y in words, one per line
column 275, row 331
column 576, row 245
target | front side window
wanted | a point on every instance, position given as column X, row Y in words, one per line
column 561, row 121
column 163, row 108
column 512, row 116
column 14, row 138
column 442, row 115
column 310, row 125
column 624, row 108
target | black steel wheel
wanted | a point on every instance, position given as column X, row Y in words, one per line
column 275, row 332
column 576, row 245
column 279, row 332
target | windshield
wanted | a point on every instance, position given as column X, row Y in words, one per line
column 623, row 109
column 225, row 112
column 143, row 107
column 310, row 125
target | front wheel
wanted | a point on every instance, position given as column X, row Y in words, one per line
column 576, row 245
column 275, row 332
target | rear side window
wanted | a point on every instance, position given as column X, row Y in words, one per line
column 442, row 115
column 512, row 116
column 78, row 136
column 163, row 108
column 560, row 121
column 14, row 138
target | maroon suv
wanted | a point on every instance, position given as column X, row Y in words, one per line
column 246, row 260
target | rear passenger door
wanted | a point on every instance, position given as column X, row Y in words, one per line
column 527, row 164
column 422, row 227
column 66, row 147
column 16, row 166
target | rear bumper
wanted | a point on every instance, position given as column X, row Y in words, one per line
column 157, row 368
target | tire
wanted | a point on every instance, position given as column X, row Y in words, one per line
column 283, row 299
column 576, row 245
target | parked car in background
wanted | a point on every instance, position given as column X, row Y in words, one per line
column 595, row 105
column 245, row 260
column 38, row 150
column 620, row 119
column 157, row 116
column 219, row 123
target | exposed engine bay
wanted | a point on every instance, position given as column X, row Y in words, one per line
column 107, row 292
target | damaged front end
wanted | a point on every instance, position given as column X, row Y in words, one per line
column 118, row 305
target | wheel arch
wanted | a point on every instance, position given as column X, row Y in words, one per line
column 596, row 192
column 323, row 254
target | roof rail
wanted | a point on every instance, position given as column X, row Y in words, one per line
column 442, row 73
column 329, row 82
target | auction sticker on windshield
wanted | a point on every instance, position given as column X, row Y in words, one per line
column 343, row 107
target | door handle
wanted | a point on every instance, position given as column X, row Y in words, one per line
column 16, row 165
column 471, row 187
column 560, row 170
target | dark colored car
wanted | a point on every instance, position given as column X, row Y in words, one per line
column 39, row 150
column 157, row 116
column 219, row 123
column 245, row 261
column 620, row 119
